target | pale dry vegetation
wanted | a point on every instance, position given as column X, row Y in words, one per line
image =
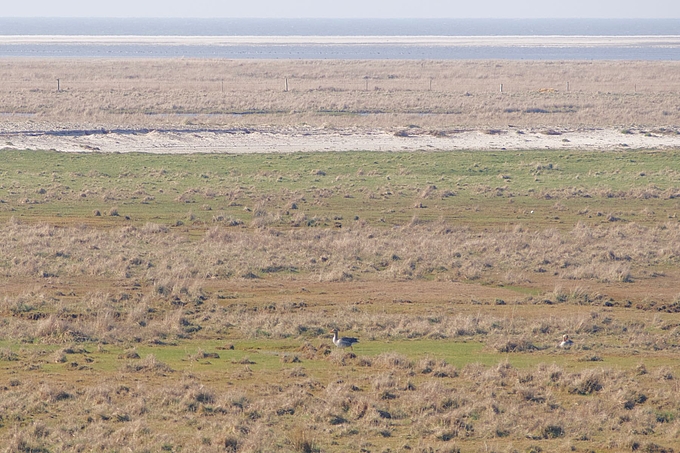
column 186, row 303
column 158, row 256
column 434, row 94
column 152, row 340
column 403, row 406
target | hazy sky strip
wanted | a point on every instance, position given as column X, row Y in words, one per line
column 346, row 8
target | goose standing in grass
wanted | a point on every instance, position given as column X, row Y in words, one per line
column 566, row 342
column 343, row 342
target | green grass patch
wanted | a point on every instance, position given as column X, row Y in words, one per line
column 328, row 189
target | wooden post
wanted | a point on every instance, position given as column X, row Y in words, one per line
column 430, row 83
column 58, row 86
column 286, row 85
column 567, row 86
column 501, row 87
column 222, row 85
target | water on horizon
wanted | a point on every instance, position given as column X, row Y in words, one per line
column 94, row 27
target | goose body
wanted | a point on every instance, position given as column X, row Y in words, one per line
column 566, row 342
column 343, row 342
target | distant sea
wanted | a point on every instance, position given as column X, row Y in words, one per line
column 361, row 39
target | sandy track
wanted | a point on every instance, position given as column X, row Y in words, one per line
column 306, row 139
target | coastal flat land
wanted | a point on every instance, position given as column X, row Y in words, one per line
column 254, row 106
column 183, row 298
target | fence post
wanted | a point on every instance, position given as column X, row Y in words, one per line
column 58, row 86
column 286, row 85
column 501, row 87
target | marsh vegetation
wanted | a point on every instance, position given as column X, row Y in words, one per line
column 186, row 303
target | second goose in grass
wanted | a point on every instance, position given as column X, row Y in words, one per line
column 566, row 342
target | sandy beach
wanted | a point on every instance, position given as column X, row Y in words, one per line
column 182, row 140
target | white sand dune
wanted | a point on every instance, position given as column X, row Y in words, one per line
column 307, row 139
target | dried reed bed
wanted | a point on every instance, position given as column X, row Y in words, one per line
column 357, row 251
column 164, row 272
column 343, row 93
column 85, row 305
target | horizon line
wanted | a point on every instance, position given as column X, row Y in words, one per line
column 340, row 18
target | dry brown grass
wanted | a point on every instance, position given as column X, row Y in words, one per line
column 464, row 94
column 146, row 334
column 169, row 261
column 151, row 284
column 393, row 406
column 142, row 338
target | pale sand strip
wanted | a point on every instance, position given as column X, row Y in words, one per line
column 173, row 141
column 670, row 41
